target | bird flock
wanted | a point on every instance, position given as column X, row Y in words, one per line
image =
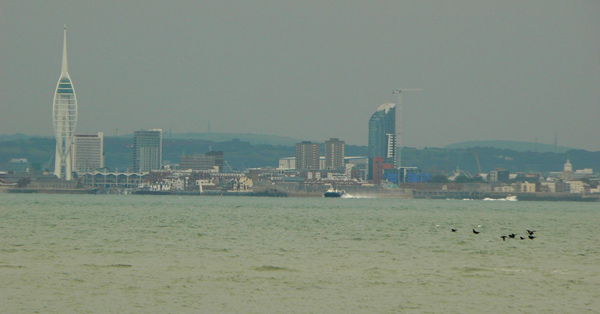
column 510, row 236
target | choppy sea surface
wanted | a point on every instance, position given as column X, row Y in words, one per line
column 170, row 254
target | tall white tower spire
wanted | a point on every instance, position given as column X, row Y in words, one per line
column 65, row 67
column 64, row 118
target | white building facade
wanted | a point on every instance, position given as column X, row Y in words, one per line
column 88, row 152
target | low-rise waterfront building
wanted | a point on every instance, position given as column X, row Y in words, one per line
column 17, row 165
column 576, row 186
column 548, row 186
column 526, row 187
column 112, row 180
column 202, row 162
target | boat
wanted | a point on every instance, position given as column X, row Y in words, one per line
column 334, row 193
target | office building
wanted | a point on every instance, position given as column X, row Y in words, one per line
column 88, row 152
column 287, row 163
column 378, row 169
column 334, row 154
column 202, row 162
column 147, row 150
column 499, row 175
column 382, row 137
column 64, row 118
column 307, row 156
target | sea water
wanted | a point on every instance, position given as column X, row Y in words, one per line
column 170, row 254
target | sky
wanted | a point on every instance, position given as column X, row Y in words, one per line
column 312, row 70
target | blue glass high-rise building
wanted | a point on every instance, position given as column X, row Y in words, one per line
column 382, row 135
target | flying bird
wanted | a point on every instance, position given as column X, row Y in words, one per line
column 530, row 232
column 531, row 237
column 475, row 231
column 503, row 238
column 512, row 235
column 453, row 230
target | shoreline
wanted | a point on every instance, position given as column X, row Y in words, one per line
column 393, row 194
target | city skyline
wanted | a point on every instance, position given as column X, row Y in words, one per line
column 489, row 71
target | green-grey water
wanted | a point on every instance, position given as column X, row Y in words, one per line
column 153, row 254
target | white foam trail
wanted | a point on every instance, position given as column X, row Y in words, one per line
column 347, row 195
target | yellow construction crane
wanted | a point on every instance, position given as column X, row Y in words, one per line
column 477, row 159
column 229, row 166
column 398, row 124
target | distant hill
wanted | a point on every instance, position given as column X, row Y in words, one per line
column 241, row 154
column 14, row 137
column 244, row 137
column 254, row 139
column 512, row 145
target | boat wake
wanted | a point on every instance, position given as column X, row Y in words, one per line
column 508, row 198
column 347, row 195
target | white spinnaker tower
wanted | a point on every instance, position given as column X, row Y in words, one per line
column 64, row 118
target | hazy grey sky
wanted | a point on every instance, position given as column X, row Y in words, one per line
column 506, row 70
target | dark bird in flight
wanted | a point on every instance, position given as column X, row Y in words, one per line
column 522, row 238
column 453, row 230
column 475, row 231
column 530, row 232
column 531, row 237
column 512, row 235
column 503, row 238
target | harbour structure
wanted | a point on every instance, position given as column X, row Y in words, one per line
column 88, row 152
column 64, row 117
column 147, row 150
column 18, row 165
column 308, row 155
column 382, row 136
column 334, row 154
